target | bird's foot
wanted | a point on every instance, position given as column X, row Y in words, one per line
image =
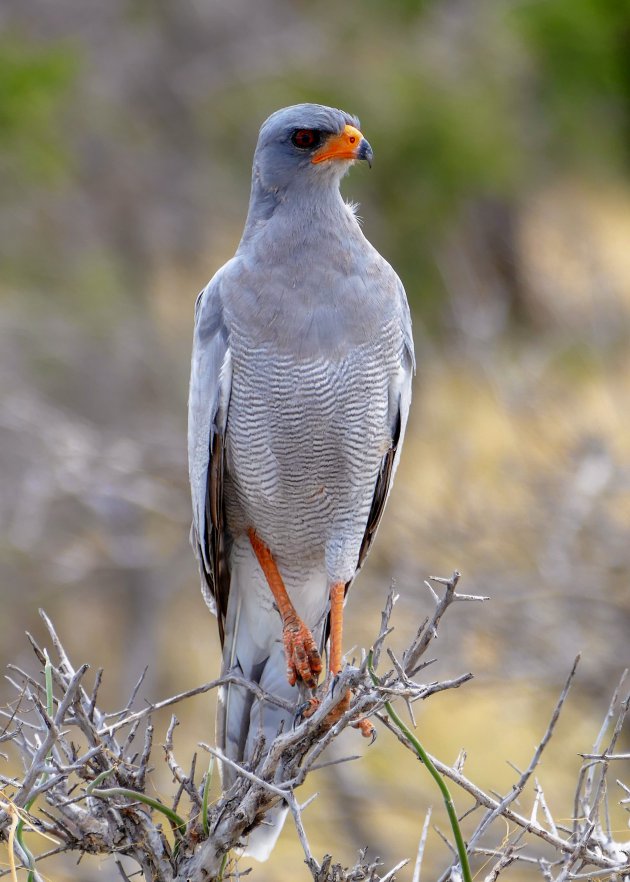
column 366, row 729
column 303, row 660
column 363, row 725
column 306, row 710
column 309, row 707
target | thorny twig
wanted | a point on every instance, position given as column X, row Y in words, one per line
column 122, row 820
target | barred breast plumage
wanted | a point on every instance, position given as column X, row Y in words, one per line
column 305, row 441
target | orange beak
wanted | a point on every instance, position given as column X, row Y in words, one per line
column 350, row 144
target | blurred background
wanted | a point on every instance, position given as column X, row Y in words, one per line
column 501, row 194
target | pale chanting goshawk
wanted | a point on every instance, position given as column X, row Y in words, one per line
column 299, row 394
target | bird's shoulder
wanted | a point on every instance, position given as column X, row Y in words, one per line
column 209, row 306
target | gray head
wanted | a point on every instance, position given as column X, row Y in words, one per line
column 307, row 143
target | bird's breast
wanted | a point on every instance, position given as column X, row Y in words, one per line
column 305, row 439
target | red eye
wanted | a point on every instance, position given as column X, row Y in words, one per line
column 306, row 138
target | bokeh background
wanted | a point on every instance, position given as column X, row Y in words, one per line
column 501, row 194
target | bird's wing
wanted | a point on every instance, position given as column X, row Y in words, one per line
column 210, row 387
column 399, row 402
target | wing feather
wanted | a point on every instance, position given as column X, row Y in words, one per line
column 399, row 403
column 208, row 403
column 400, row 398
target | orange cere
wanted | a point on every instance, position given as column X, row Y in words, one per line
column 343, row 146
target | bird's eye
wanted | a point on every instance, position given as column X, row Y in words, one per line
column 305, row 139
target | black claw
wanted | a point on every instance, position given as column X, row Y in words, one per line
column 298, row 719
column 374, row 736
column 333, row 685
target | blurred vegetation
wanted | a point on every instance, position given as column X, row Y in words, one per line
column 500, row 193
column 34, row 82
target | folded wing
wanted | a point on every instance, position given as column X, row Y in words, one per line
column 210, row 385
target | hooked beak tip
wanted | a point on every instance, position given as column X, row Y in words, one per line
column 365, row 152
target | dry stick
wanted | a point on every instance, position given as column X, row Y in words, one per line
column 508, row 857
column 28, row 680
column 625, row 789
column 427, row 633
column 545, row 808
column 134, row 693
column 92, row 705
column 56, row 825
column 61, row 652
column 388, row 876
column 121, row 870
column 143, row 763
column 592, row 873
column 593, row 810
column 278, row 791
column 585, row 777
column 47, row 743
column 421, row 845
column 335, row 762
column 53, row 780
column 297, row 820
column 449, row 845
column 129, row 739
column 523, row 858
column 386, row 615
column 185, row 781
column 74, row 690
column 625, row 707
column 40, row 857
column 190, row 693
column 607, row 757
column 520, row 784
column 285, row 743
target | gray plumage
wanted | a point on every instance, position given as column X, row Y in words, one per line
column 300, row 389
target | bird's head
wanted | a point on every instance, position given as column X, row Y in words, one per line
column 307, row 143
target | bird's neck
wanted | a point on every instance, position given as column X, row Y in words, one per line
column 296, row 213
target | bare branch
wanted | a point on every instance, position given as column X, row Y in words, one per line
column 122, row 819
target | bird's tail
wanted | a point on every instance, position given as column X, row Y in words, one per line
column 252, row 649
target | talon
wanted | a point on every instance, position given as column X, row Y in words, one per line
column 304, row 711
column 301, row 708
column 366, row 729
column 303, row 659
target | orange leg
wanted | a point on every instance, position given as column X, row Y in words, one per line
column 337, row 594
column 303, row 659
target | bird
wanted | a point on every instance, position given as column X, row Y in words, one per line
column 300, row 388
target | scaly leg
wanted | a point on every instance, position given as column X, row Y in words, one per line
column 303, row 659
column 337, row 595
